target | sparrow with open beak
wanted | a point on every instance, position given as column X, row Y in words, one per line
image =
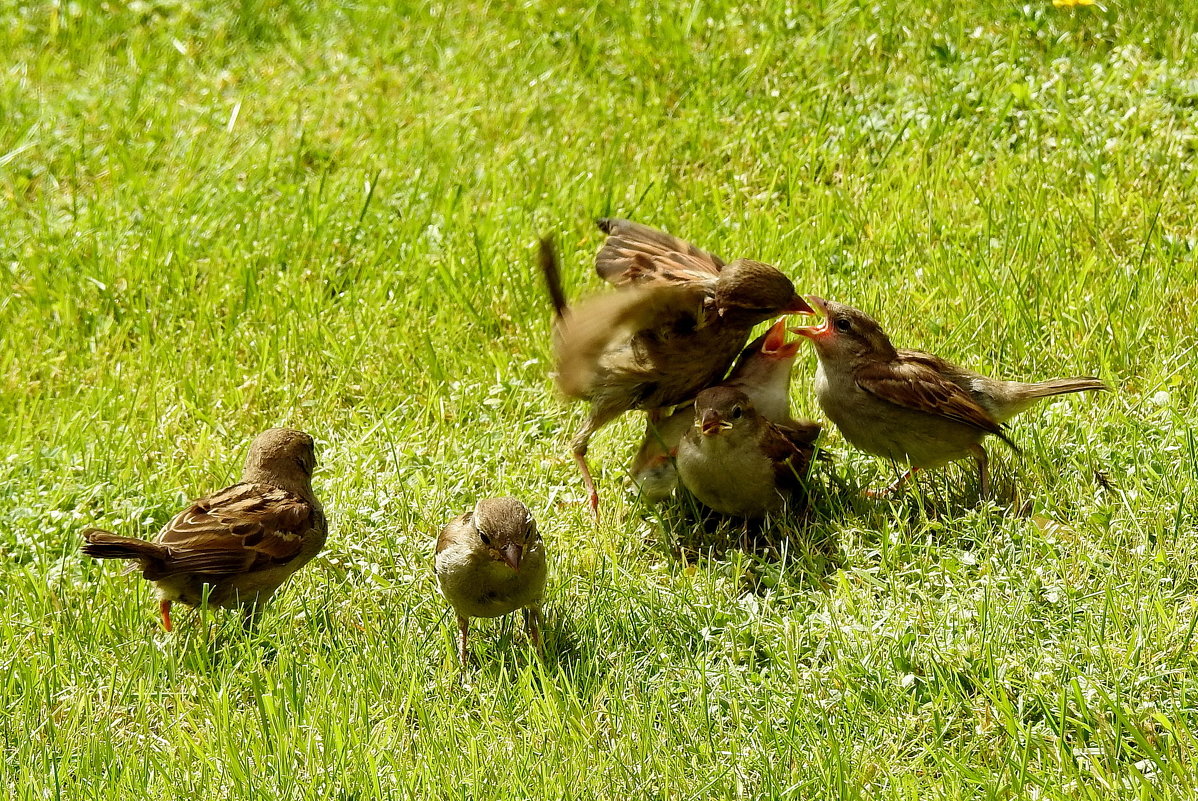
column 234, row 548
column 737, row 462
column 491, row 561
column 762, row 373
column 678, row 321
column 909, row 406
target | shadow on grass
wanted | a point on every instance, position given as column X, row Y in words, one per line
column 573, row 652
column 803, row 535
column 952, row 492
column 568, row 653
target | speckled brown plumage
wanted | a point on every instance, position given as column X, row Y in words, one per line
column 235, row 547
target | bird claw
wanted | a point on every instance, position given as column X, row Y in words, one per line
column 165, row 608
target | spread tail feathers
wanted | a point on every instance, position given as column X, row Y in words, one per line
column 1062, row 386
column 553, row 275
column 102, row 544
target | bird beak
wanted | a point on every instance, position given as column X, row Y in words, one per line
column 798, row 306
column 511, row 554
column 822, row 327
column 711, row 424
column 775, row 344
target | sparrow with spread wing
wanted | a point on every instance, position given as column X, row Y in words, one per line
column 678, row 321
column 234, row 548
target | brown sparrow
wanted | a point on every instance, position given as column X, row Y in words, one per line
column 739, row 463
column 233, row 548
column 491, row 561
column 910, row 406
column 762, row 372
column 676, row 325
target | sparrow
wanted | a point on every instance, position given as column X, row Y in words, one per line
column 236, row 547
column 652, row 468
column 736, row 461
column 491, row 561
column 675, row 325
column 762, row 372
column 910, row 406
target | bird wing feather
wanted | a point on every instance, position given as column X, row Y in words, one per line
column 450, row 533
column 636, row 254
column 790, row 450
column 609, row 327
column 917, row 385
column 242, row 528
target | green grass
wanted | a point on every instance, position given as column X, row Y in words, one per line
column 323, row 214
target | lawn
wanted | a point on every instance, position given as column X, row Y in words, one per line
column 324, row 214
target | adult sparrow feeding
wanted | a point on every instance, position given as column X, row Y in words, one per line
column 233, row 548
column 739, row 463
column 910, row 406
column 762, row 372
column 491, row 561
column 678, row 321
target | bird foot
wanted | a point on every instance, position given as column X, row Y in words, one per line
column 165, row 608
column 892, row 490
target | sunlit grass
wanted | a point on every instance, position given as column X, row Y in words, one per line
column 323, row 214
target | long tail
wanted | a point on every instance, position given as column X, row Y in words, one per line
column 553, row 275
column 101, row 544
column 1063, row 386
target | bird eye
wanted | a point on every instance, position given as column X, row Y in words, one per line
column 843, row 325
column 486, row 540
column 737, row 412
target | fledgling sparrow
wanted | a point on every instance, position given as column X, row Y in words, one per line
column 762, row 372
column 909, row 406
column 678, row 321
column 491, row 561
column 234, row 548
column 737, row 462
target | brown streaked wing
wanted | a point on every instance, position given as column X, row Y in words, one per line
column 800, row 432
column 915, row 384
column 637, row 254
column 790, row 453
column 241, row 527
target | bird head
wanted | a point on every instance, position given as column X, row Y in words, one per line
column 721, row 411
column 506, row 528
column 749, row 292
column 846, row 333
column 282, row 457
